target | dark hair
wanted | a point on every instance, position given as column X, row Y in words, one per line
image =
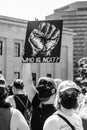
column 10, row 90
column 3, row 95
column 18, row 84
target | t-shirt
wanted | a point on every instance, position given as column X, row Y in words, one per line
column 20, row 101
column 5, row 118
column 55, row 122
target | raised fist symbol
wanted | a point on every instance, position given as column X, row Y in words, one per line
column 44, row 39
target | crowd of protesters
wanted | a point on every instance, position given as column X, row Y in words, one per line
column 10, row 118
column 56, row 104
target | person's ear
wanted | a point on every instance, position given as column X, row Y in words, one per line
column 59, row 99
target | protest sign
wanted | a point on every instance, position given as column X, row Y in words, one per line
column 43, row 41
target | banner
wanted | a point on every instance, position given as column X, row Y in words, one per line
column 43, row 41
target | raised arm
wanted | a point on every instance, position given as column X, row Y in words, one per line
column 18, row 122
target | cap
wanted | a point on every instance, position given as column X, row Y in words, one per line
column 67, row 84
column 18, row 83
column 46, row 87
column 2, row 81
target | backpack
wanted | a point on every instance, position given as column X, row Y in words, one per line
column 27, row 110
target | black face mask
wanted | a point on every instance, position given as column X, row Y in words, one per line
column 69, row 101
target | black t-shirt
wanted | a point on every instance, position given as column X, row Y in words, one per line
column 40, row 114
column 21, row 99
column 84, row 122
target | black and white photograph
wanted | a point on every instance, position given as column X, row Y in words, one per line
column 43, row 65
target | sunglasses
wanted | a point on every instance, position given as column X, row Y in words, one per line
column 66, row 95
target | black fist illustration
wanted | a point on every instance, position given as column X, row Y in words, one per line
column 44, row 39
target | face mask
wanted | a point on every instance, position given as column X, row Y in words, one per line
column 69, row 101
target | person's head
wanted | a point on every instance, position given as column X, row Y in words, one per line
column 10, row 89
column 82, row 61
column 46, row 88
column 67, row 95
column 17, row 85
column 3, row 89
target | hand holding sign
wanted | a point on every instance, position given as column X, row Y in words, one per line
column 44, row 39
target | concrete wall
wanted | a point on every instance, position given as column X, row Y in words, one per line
column 11, row 31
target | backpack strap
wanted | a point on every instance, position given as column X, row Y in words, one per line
column 20, row 100
column 73, row 128
column 27, row 102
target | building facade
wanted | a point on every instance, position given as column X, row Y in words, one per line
column 12, row 39
column 12, row 36
column 74, row 17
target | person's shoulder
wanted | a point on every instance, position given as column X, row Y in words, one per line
column 9, row 98
column 75, row 114
column 51, row 122
column 77, row 117
column 18, row 121
column 15, row 112
column 83, row 113
column 53, row 118
column 16, row 115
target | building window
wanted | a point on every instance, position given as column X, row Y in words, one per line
column 34, row 78
column 1, row 47
column 0, row 72
column 49, row 75
column 17, row 75
column 17, row 49
column 82, row 9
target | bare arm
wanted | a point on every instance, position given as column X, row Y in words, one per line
column 18, row 122
column 50, row 124
column 10, row 99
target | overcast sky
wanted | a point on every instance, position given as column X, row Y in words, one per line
column 29, row 9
